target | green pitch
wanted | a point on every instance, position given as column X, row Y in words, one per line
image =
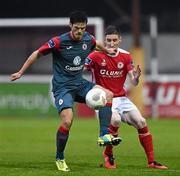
column 27, row 148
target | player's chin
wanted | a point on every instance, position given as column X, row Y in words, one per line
column 78, row 37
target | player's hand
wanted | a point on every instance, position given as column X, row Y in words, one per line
column 15, row 76
column 137, row 72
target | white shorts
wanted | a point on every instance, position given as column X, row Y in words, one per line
column 122, row 104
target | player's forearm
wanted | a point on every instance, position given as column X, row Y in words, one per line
column 32, row 58
column 136, row 73
column 135, row 81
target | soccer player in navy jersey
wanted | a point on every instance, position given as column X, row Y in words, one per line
column 69, row 52
column 110, row 71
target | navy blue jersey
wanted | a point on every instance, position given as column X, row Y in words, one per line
column 68, row 58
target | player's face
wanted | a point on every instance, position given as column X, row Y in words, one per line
column 77, row 30
column 112, row 41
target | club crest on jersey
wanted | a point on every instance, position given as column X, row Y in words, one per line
column 103, row 63
column 120, row 65
column 77, row 60
column 84, row 46
column 51, row 43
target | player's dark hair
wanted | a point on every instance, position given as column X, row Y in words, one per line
column 78, row 16
column 112, row 30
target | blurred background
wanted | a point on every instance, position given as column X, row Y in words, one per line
column 28, row 120
column 150, row 31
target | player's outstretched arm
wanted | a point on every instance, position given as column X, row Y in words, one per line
column 31, row 59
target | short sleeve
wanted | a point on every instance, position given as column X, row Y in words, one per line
column 130, row 64
column 49, row 46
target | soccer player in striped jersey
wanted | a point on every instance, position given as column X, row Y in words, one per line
column 110, row 71
column 69, row 51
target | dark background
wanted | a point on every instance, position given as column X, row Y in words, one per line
column 16, row 44
column 117, row 12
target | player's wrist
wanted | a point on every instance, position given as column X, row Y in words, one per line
column 20, row 73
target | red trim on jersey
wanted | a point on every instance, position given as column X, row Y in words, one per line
column 93, row 40
column 46, row 48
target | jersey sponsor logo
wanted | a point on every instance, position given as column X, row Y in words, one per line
column 77, row 60
column 75, row 68
column 51, row 43
column 61, row 101
column 103, row 63
column 84, row 46
column 88, row 61
column 107, row 73
column 120, row 65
